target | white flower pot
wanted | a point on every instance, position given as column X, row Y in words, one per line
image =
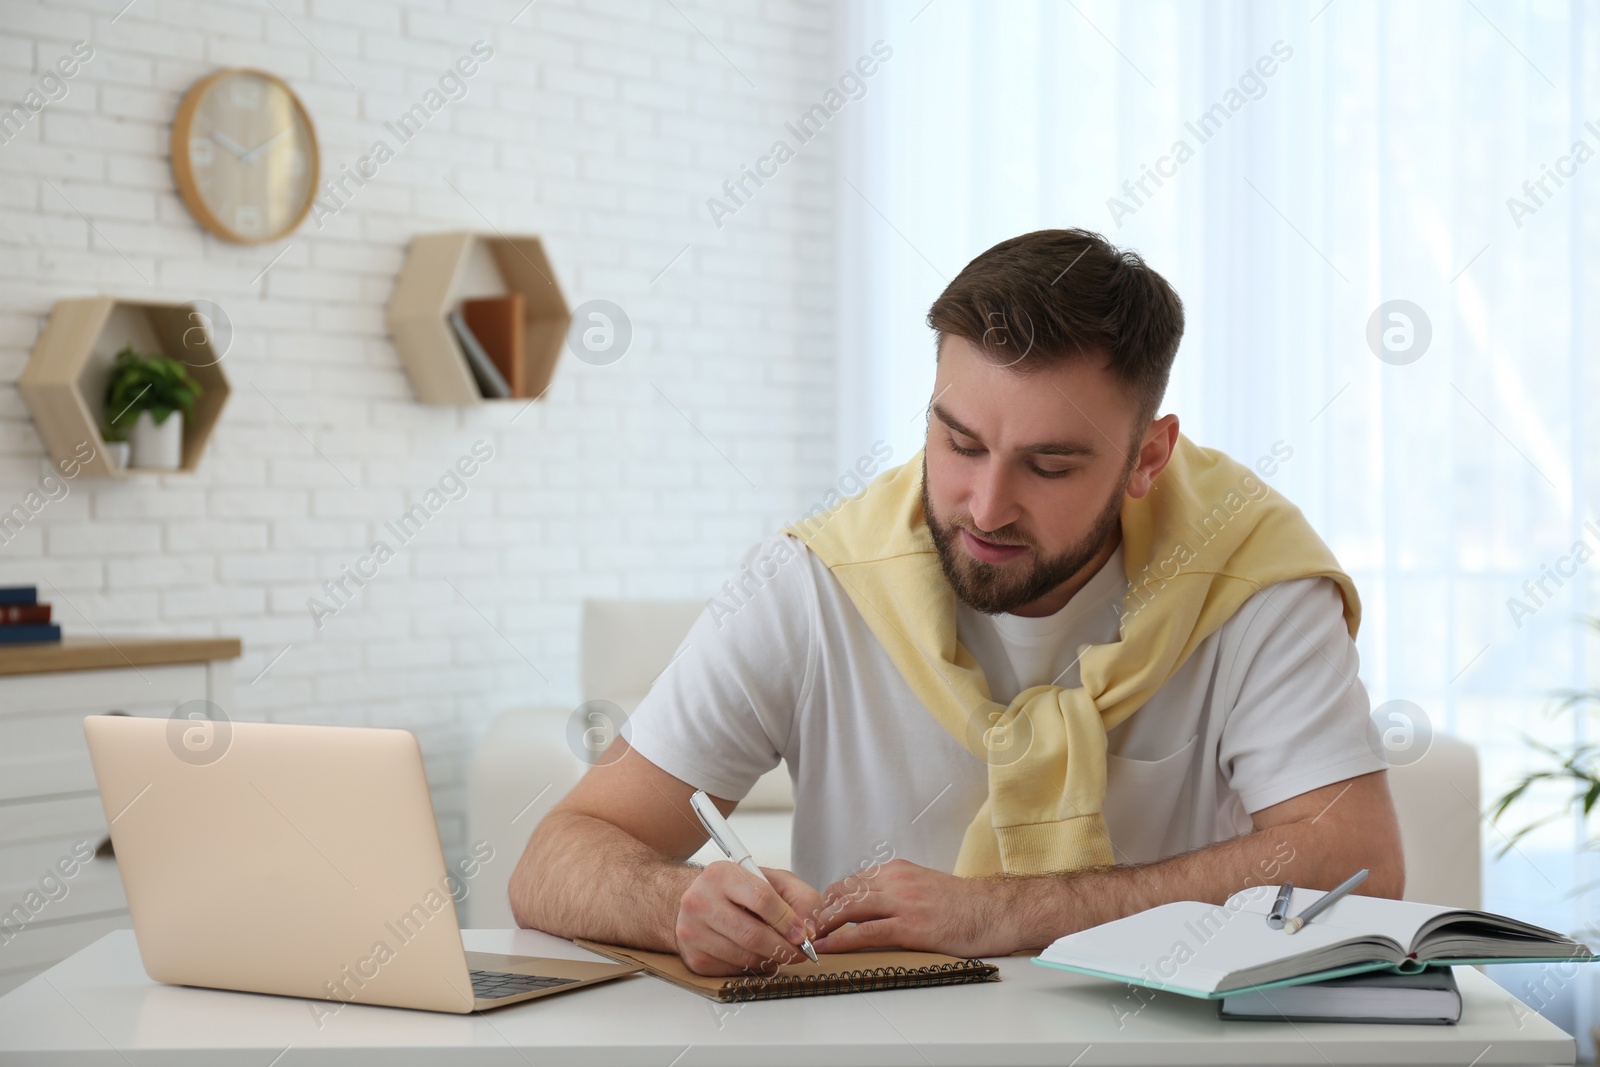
column 119, row 452
column 157, row 447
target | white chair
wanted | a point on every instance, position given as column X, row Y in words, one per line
column 1436, row 798
column 526, row 762
column 524, row 765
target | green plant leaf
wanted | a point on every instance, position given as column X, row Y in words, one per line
column 1510, row 797
column 1511, row 842
column 155, row 383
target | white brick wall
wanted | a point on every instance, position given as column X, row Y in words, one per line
column 602, row 126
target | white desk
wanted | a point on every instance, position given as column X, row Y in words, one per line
column 97, row 1007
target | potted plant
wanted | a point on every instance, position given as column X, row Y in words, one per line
column 143, row 394
column 117, row 446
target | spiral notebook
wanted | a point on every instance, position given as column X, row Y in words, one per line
column 838, row 972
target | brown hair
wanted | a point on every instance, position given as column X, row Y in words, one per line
column 1035, row 300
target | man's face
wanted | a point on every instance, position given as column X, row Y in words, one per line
column 1040, row 495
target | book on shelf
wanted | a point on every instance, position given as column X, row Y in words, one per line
column 19, row 594
column 1215, row 950
column 11, row 614
column 490, row 382
column 497, row 323
column 30, row 633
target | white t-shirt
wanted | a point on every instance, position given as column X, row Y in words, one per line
column 781, row 665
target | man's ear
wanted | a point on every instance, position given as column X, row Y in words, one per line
column 1154, row 451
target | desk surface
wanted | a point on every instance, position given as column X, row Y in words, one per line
column 98, row 1007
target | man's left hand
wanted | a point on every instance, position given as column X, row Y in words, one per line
column 900, row 904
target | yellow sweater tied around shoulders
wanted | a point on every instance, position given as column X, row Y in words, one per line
column 1202, row 542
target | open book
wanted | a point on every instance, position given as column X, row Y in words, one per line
column 835, row 972
column 1213, row 950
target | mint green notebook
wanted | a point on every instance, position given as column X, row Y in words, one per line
column 1215, row 950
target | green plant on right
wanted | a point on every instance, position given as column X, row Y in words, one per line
column 155, row 383
column 1576, row 764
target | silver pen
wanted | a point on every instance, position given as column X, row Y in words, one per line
column 730, row 844
column 1280, row 907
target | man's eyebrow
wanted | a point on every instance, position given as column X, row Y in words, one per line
column 1070, row 449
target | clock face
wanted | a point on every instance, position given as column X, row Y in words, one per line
column 245, row 156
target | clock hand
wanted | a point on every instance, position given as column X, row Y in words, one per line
column 228, row 142
column 251, row 156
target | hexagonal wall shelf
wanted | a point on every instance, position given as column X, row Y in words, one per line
column 443, row 269
column 64, row 383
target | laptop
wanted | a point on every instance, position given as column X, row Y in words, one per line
column 298, row 860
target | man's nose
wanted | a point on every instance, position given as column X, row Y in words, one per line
column 992, row 505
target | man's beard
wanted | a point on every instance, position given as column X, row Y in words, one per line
column 992, row 588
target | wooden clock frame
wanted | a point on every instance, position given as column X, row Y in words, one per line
column 183, row 172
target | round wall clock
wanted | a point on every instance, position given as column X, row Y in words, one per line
column 244, row 155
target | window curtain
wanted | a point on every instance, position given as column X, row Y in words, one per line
column 1382, row 221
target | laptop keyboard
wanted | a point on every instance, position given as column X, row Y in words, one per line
column 492, row 985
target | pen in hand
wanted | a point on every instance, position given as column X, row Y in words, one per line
column 732, row 847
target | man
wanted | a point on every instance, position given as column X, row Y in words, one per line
column 1062, row 666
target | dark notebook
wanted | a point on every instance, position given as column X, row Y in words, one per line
column 1427, row 996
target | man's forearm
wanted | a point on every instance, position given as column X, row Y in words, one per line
column 583, row 877
column 1046, row 907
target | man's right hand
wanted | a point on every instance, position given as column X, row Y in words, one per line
column 729, row 920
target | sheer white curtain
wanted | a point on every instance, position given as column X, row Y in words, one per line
column 1335, row 156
